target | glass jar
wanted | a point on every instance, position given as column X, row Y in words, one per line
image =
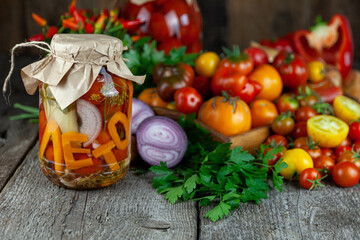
column 87, row 144
column 92, row 134
column 173, row 23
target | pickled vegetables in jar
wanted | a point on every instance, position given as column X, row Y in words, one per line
column 86, row 94
column 87, row 145
column 173, row 23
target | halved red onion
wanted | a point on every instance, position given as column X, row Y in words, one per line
column 91, row 120
column 161, row 139
column 140, row 111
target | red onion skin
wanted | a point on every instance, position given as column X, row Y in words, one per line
column 161, row 139
column 140, row 111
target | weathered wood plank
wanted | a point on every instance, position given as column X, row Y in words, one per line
column 16, row 137
column 330, row 213
column 253, row 20
column 32, row 207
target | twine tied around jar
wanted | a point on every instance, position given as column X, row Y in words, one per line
column 36, row 44
column 72, row 65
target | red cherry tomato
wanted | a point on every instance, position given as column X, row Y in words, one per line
column 292, row 69
column 356, row 146
column 349, row 157
column 283, row 124
column 276, row 157
column 354, row 131
column 258, row 55
column 277, row 140
column 300, row 130
column 309, row 174
column 308, row 100
column 313, row 152
column 187, row 100
column 304, row 113
column 346, row 174
column 283, row 45
column 300, row 142
column 287, row 102
column 341, row 150
column 244, row 65
column 328, row 152
column 324, row 164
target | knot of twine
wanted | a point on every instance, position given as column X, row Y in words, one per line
column 46, row 48
column 37, row 44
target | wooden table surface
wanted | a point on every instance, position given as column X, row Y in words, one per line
column 31, row 207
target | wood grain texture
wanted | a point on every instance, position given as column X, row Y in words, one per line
column 16, row 137
column 32, row 207
column 330, row 213
column 257, row 19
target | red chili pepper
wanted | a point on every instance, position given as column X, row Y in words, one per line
column 250, row 91
column 130, row 24
column 72, row 7
column 106, row 12
column 114, row 14
column 331, row 42
column 99, row 24
column 89, row 28
column 79, row 19
column 37, row 37
column 51, row 31
column 39, row 20
column 70, row 23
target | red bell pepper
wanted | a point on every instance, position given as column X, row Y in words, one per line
column 331, row 42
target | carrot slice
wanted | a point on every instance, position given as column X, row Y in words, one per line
column 105, row 151
column 52, row 130
column 119, row 117
column 70, row 162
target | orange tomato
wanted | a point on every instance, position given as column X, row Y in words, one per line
column 228, row 116
column 263, row 112
column 270, row 80
column 151, row 97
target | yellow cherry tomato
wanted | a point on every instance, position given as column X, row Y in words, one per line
column 346, row 109
column 206, row 64
column 297, row 160
column 327, row 130
column 316, row 71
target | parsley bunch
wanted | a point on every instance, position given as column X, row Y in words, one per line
column 213, row 172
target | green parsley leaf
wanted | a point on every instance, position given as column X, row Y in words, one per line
column 191, row 182
column 174, row 194
column 218, row 212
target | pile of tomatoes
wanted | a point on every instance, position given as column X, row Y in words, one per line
column 312, row 123
column 324, row 140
